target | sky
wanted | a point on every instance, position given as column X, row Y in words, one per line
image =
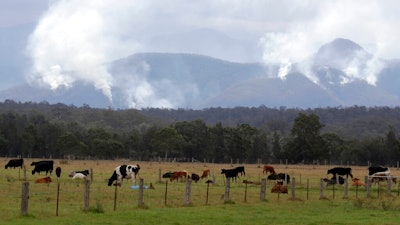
column 74, row 39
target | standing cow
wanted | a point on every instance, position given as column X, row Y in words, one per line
column 343, row 171
column 124, row 171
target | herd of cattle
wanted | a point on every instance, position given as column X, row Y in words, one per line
column 339, row 174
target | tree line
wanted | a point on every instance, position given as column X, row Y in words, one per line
column 60, row 131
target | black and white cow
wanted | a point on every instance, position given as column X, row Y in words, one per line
column 343, row 171
column 124, row 171
column 279, row 177
column 376, row 169
column 43, row 166
column 15, row 163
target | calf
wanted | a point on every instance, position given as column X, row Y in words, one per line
column 279, row 188
column 124, row 171
column 43, row 180
column 15, row 163
column 195, row 177
column 79, row 176
column 167, row 174
column 357, row 182
column 205, row 174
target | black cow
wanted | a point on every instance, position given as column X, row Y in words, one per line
column 195, row 177
column 167, row 174
column 333, row 180
column 279, row 176
column 42, row 166
column 230, row 173
column 240, row 169
column 343, row 171
column 376, row 169
column 15, row 163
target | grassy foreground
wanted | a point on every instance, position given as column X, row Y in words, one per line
column 306, row 208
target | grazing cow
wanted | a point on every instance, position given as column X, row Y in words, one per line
column 124, row 171
column 205, row 174
column 342, row 171
column 382, row 176
column 167, row 174
column 267, row 169
column 195, row 177
column 240, row 169
column 79, row 176
column 15, row 163
column 279, row 188
column 58, row 172
column 357, row 182
column 333, row 180
column 279, row 176
column 43, row 180
column 230, row 173
column 178, row 175
column 376, row 169
column 85, row 172
column 42, row 166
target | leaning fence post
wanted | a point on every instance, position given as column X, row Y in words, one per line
column 25, row 197
column 263, row 188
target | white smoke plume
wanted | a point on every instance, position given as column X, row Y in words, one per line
column 369, row 23
column 75, row 39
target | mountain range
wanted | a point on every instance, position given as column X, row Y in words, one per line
column 334, row 76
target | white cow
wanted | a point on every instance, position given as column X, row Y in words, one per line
column 124, row 171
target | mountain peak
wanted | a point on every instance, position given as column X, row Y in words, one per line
column 339, row 53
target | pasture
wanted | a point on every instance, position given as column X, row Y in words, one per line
column 244, row 206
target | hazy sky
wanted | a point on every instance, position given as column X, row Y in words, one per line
column 74, row 38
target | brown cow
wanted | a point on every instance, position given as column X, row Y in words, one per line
column 205, row 174
column 357, row 182
column 279, row 188
column 267, row 169
column 43, row 180
column 178, row 174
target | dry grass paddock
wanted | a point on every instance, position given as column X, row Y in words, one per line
column 42, row 197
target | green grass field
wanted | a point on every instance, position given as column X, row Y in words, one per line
column 306, row 208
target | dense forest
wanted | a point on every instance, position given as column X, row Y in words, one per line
column 354, row 135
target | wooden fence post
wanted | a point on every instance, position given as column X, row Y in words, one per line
column 24, row 198
column 346, row 189
column 86, row 195
column 188, row 190
column 321, row 189
column 166, row 192
column 140, row 198
column 227, row 188
column 368, row 186
column 263, row 188
column 293, row 188
column 308, row 187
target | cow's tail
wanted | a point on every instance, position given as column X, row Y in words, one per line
column 112, row 178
